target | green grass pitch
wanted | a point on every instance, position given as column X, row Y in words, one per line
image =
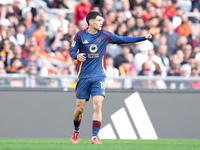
column 84, row 144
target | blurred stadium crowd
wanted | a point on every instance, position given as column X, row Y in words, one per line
column 35, row 40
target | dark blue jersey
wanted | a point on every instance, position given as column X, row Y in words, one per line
column 94, row 46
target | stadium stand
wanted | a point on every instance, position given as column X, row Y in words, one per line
column 43, row 28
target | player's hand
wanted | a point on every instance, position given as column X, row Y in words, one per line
column 81, row 57
column 148, row 36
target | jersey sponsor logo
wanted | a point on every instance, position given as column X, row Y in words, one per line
column 93, row 55
column 85, row 42
column 73, row 43
column 99, row 39
column 93, row 48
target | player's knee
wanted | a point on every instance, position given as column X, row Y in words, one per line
column 80, row 110
column 97, row 107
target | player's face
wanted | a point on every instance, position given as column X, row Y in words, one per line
column 97, row 23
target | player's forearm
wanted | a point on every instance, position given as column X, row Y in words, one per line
column 128, row 39
column 73, row 54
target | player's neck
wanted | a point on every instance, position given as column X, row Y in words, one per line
column 91, row 30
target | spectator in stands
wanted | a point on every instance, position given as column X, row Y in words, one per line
column 107, row 6
column 2, row 11
column 171, row 8
column 57, row 39
column 159, row 4
column 19, row 36
column 4, row 25
column 177, row 18
column 29, row 8
column 81, row 9
column 13, row 21
column 121, row 57
column 60, row 21
column 124, row 68
column 82, row 25
column 140, row 23
column 17, row 51
column 131, row 24
column 111, row 72
column 26, row 48
column 110, row 18
column 171, row 37
column 196, row 43
column 195, row 8
column 153, row 24
column 10, row 36
column 159, row 83
column 122, row 30
column 146, row 71
column 3, row 81
column 142, row 55
column 153, row 61
column 15, row 66
column 151, row 13
column 32, row 65
column 44, row 19
column 126, row 10
column 29, row 24
column 181, row 42
column 192, row 38
column 64, row 50
column 174, row 66
column 192, row 62
column 163, row 58
column 138, row 2
column 179, row 55
column 17, row 10
column 6, row 53
column 198, row 66
column 187, row 51
column 40, row 35
column 62, row 4
column 127, row 68
column 71, row 31
column 184, row 27
column 194, row 73
column 185, row 71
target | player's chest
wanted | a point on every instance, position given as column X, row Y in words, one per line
column 92, row 44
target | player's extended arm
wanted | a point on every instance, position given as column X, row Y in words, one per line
column 127, row 39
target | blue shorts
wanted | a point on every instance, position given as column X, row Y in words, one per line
column 90, row 86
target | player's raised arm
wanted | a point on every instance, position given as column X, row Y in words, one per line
column 126, row 39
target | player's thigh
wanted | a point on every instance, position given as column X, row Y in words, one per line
column 98, row 87
column 83, row 89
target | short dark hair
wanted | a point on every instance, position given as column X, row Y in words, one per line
column 92, row 15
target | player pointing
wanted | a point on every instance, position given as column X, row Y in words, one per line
column 91, row 69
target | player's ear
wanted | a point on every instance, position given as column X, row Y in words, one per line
column 91, row 21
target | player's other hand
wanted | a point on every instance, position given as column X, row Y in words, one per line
column 81, row 57
column 148, row 36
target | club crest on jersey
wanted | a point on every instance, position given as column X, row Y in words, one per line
column 93, row 48
column 73, row 43
column 99, row 39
